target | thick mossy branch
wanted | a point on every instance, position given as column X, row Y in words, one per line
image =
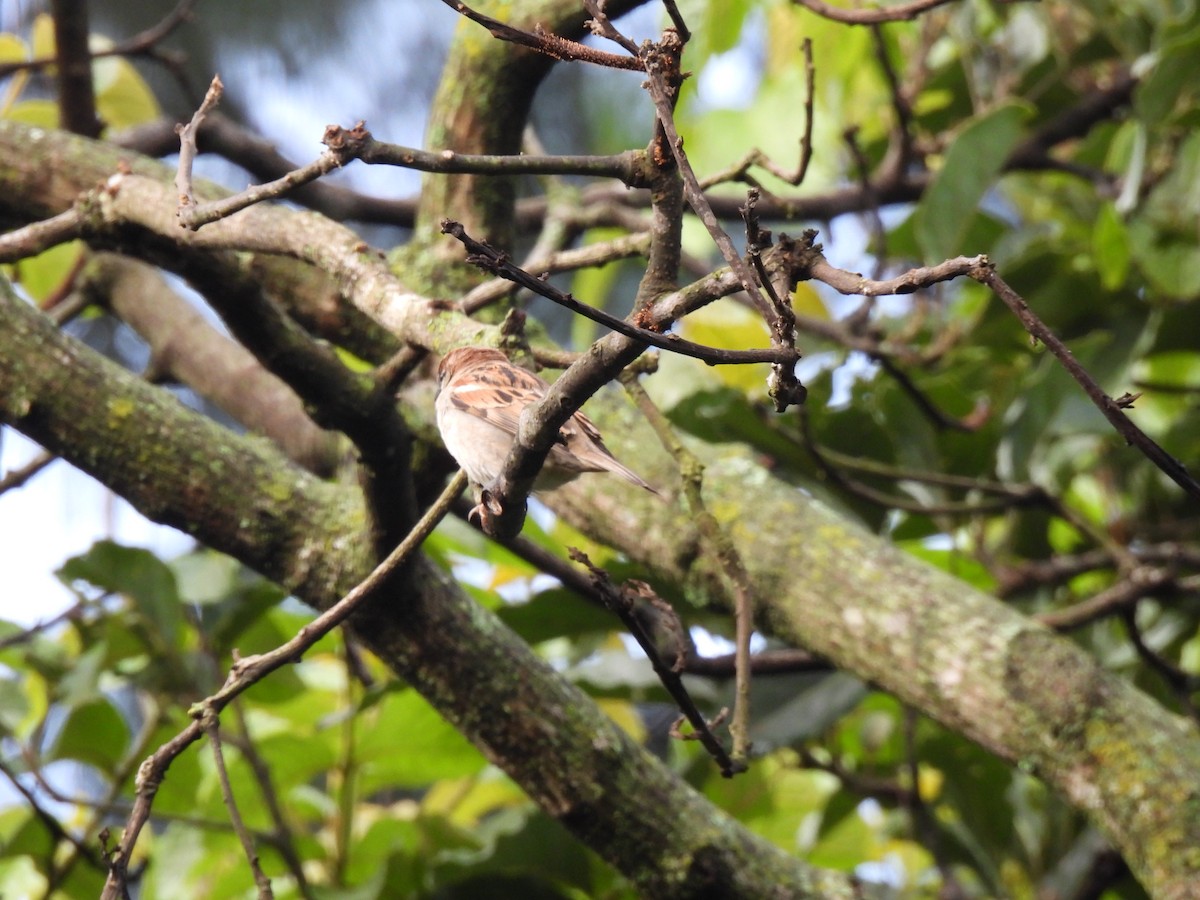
column 955, row 653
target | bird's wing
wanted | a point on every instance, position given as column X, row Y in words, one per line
column 496, row 394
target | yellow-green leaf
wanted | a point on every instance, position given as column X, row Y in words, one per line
column 1110, row 245
column 41, row 275
column 123, row 98
column 44, row 46
column 12, row 48
column 40, row 113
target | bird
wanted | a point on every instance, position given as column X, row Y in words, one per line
column 480, row 399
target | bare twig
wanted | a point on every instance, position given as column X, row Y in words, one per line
column 224, row 137
column 1059, row 569
column 1182, row 684
column 739, row 171
column 783, row 387
column 342, row 146
column 280, row 837
column 914, row 279
column 898, row 13
column 491, row 260
column 38, row 236
column 550, row 44
column 210, row 723
column 625, row 167
column 17, row 477
column 985, row 273
column 692, row 473
column 767, row 662
column 602, row 26
column 1009, row 497
column 141, row 44
column 187, row 143
column 568, row 260
column 862, row 169
column 55, row 828
column 941, row 419
column 1142, row 582
column 621, row 601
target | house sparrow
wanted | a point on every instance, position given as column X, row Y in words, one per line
column 480, row 399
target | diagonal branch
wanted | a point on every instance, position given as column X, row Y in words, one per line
column 898, row 13
column 985, row 273
column 551, row 45
column 491, row 260
column 248, row 672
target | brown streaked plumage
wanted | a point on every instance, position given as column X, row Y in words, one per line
column 480, row 399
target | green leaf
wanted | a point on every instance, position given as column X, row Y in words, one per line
column 1110, row 248
column 404, row 742
column 137, row 574
column 81, row 682
column 205, row 576
column 971, row 167
column 22, row 833
column 14, row 705
column 957, row 563
column 123, row 99
column 556, row 613
column 524, row 855
column 94, row 733
column 793, row 708
column 723, row 21
column 1177, row 370
column 42, row 274
column 1171, row 263
column 1175, row 72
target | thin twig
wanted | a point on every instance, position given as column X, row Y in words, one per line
column 1181, row 683
column 17, row 477
column 624, row 167
column 913, row 280
column 589, row 256
column 187, row 143
column 1014, row 497
column 211, row 725
column 491, row 260
column 1142, row 582
column 621, row 601
column 739, row 171
column 141, row 44
column 57, row 831
column 342, row 146
column 281, row 838
column 766, row 662
column 249, row 671
column 551, row 45
column 898, row 13
column 985, row 273
column 39, row 236
column 692, row 473
column 942, row 420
